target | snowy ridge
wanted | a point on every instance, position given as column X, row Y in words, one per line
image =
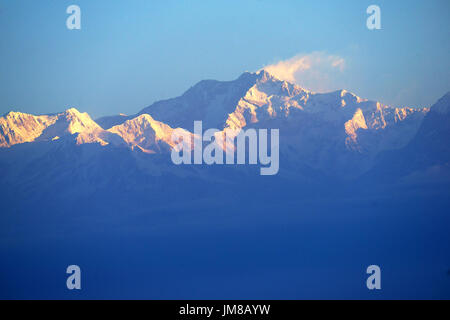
column 321, row 130
column 443, row 105
column 146, row 134
column 16, row 127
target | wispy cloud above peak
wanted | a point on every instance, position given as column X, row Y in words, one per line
column 314, row 71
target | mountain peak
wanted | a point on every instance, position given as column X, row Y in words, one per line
column 143, row 117
column 145, row 133
column 264, row 75
column 14, row 114
column 73, row 121
column 18, row 127
column 73, row 111
column 260, row 76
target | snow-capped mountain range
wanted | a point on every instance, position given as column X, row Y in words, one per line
column 338, row 132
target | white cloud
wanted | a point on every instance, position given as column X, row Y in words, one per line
column 316, row 71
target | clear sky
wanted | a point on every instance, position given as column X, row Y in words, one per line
column 129, row 54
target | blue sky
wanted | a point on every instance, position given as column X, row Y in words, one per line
column 129, row 54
